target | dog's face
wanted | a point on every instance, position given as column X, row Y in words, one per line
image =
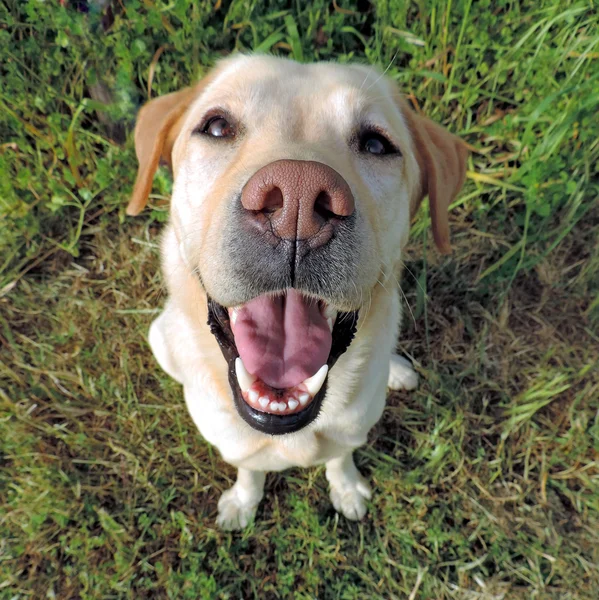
column 294, row 188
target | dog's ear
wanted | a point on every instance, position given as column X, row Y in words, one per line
column 442, row 160
column 158, row 125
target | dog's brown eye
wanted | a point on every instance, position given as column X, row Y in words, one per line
column 373, row 142
column 374, row 146
column 218, row 127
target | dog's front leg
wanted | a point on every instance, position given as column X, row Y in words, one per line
column 349, row 490
column 237, row 506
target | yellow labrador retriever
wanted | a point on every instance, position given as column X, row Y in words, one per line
column 294, row 185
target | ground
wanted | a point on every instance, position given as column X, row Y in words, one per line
column 485, row 480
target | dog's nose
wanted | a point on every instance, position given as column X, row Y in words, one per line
column 297, row 199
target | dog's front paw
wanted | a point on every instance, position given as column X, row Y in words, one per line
column 401, row 374
column 350, row 499
column 235, row 512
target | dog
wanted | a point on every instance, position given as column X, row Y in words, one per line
column 294, row 187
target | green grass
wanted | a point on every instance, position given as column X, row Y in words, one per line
column 486, row 479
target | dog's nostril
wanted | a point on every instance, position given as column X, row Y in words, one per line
column 294, row 200
column 323, row 206
column 273, row 201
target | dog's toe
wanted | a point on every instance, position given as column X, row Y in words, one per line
column 233, row 512
column 401, row 374
column 350, row 500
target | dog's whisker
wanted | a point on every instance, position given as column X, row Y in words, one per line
column 398, row 284
column 414, row 276
column 384, row 72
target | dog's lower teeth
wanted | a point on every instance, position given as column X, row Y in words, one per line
column 314, row 383
column 252, row 390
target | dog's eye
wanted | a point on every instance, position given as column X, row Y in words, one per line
column 218, row 127
column 373, row 142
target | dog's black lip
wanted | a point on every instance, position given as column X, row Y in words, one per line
column 220, row 326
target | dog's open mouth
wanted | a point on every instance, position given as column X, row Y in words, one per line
column 280, row 349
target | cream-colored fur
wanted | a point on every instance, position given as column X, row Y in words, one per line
column 305, row 112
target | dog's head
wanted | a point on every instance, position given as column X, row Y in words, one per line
column 294, row 186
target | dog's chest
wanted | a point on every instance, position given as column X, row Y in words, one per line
column 242, row 446
column 274, row 455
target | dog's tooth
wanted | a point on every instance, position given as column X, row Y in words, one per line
column 280, row 406
column 330, row 315
column 292, row 404
column 233, row 315
column 315, row 382
column 263, row 401
column 329, row 311
column 303, row 398
column 244, row 379
column 253, row 395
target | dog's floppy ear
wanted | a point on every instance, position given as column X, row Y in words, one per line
column 442, row 160
column 158, row 125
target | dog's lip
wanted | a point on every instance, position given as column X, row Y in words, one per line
column 267, row 422
column 273, row 424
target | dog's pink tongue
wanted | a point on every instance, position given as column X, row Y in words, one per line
column 282, row 339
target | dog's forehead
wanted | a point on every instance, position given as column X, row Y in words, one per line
column 270, row 85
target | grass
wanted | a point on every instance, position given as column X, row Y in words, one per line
column 486, row 478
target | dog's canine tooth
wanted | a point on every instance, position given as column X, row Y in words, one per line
column 315, row 382
column 303, row 398
column 292, row 404
column 263, row 401
column 244, row 379
column 330, row 315
column 233, row 315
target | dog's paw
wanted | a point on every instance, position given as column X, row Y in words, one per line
column 350, row 499
column 233, row 512
column 401, row 374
